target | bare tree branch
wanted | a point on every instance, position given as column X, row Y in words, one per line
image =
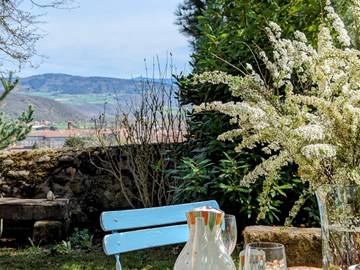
column 19, row 30
column 145, row 137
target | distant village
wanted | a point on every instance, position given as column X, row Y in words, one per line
column 45, row 135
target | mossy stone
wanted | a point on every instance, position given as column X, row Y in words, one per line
column 48, row 231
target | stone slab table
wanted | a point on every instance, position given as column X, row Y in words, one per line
column 51, row 218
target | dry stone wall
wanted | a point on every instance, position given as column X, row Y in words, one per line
column 69, row 174
column 303, row 245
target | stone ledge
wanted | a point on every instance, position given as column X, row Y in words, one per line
column 303, row 245
column 34, row 209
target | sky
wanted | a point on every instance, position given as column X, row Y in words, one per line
column 110, row 38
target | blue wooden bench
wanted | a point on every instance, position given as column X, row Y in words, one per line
column 146, row 228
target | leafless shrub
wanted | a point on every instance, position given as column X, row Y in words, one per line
column 144, row 137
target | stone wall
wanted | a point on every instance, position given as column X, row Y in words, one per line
column 69, row 174
column 303, row 245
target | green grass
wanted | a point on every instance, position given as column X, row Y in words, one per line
column 77, row 99
column 83, row 124
column 36, row 258
column 40, row 259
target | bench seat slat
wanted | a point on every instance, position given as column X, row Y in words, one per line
column 147, row 238
column 148, row 217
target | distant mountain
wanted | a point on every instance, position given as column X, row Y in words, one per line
column 45, row 109
column 70, row 84
column 61, row 97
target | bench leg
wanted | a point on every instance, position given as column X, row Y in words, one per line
column 118, row 264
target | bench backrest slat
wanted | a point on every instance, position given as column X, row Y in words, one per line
column 147, row 238
column 149, row 217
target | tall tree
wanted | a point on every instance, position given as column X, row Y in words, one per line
column 187, row 14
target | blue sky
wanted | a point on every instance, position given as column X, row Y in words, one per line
column 110, row 38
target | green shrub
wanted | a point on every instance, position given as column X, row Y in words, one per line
column 62, row 248
column 81, row 239
column 225, row 35
column 75, row 142
column 200, row 179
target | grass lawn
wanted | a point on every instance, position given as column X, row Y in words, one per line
column 41, row 259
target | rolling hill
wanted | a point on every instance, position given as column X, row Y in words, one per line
column 58, row 97
column 70, row 84
column 45, row 109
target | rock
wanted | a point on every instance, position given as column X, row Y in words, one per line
column 57, row 171
column 59, row 190
column 5, row 189
column 303, row 245
column 66, row 159
column 23, row 163
column 44, row 158
column 8, row 162
column 24, row 184
column 50, row 196
column 75, row 186
column 22, row 174
column 70, row 171
column 46, row 232
column 4, row 154
column 60, row 179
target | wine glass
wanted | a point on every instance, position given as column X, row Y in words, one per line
column 229, row 233
column 265, row 256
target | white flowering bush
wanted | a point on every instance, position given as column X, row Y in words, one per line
column 307, row 113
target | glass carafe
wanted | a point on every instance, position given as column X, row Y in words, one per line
column 205, row 249
column 183, row 261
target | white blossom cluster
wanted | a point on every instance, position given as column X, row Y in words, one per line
column 338, row 25
column 319, row 129
column 311, row 132
column 319, row 151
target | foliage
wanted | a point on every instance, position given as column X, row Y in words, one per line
column 201, row 179
column 12, row 131
column 78, row 240
column 34, row 249
column 187, row 14
column 195, row 175
column 225, row 35
column 81, row 239
column 62, row 248
column 307, row 113
column 75, row 142
column 229, row 31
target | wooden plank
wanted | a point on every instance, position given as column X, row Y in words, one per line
column 141, row 239
column 33, row 209
column 148, row 217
